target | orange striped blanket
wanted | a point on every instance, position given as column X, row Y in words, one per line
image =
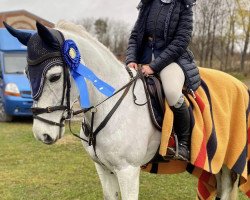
column 220, row 124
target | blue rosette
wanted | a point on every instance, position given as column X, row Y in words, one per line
column 71, row 54
column 80, row 72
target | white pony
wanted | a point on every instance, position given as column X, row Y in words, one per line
column 129, row 140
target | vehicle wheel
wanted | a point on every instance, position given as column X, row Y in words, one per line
column 3, row 116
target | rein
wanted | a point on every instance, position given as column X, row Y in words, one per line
column 93, row 110
column 132, row 80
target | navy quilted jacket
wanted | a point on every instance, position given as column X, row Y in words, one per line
column 177, row 36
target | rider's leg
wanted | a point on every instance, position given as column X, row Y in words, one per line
column 173, row 79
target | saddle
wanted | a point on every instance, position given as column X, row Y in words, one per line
column 156, row 105
column 156, row 101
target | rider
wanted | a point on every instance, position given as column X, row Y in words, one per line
column 159, row 42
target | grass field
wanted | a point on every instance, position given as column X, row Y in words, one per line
column 30, row 170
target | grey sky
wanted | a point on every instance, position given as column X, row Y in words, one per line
column 54, row 10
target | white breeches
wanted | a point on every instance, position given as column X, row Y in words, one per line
column 173, row 79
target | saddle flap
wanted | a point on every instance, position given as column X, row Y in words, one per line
column 157, row 98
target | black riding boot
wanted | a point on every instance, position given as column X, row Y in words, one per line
column 182, row 130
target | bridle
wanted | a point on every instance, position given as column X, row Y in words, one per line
column 65, row 102
column 66, row 94
column 93, row 109
column 47, row 49
column 66, row 89
column 62, row 107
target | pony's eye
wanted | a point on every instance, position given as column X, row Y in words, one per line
column 54, row 77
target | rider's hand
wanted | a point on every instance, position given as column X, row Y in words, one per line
column 147, row 70
column 133, row 65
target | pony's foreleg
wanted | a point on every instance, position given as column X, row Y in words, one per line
column 227, row 188
column 109, row 183
column 128, row 179
column 234, row 192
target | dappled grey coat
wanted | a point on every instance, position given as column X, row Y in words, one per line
column 177, row 35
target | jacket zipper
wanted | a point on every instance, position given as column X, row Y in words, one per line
column 155, row 23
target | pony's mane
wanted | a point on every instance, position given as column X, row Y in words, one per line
column 73, row 28
column 82, row 32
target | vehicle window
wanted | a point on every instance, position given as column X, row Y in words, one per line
column 14, row 63
column 0, row 67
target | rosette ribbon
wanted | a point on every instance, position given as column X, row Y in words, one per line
column 80, row 72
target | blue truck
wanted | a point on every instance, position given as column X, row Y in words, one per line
column 15, row 92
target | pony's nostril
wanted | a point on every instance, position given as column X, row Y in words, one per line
column 47, row 139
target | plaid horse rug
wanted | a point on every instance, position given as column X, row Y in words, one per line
column 220, row 133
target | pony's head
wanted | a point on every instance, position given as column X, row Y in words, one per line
column 50, row 82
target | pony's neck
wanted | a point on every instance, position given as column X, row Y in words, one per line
column 100, row 60
column 104, row 64
column 113, row 73
column 109, row 70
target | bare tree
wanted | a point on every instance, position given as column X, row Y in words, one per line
column 119, row 34
column 221, row 30
column 101, row 30
column 244, row 15
column 209, row 25
column 87, row 23
column 230, row 36
column 112, row 33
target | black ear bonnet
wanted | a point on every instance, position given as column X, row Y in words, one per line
column 41, row 57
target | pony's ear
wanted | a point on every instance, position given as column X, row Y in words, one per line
column 47, row 36
column 22, row 36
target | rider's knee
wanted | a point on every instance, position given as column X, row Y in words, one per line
column 174, row 98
